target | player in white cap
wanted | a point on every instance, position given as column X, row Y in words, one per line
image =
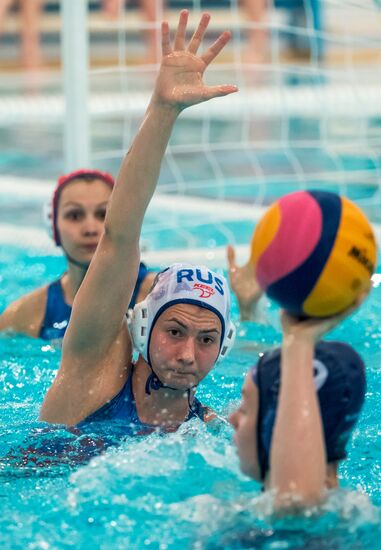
column 183, row 327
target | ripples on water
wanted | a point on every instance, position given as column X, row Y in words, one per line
column 181, row 490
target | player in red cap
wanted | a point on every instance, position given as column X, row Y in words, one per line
column 75, row 218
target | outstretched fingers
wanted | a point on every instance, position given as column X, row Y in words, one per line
column 166, row 48
column 198, row 35
column 230, row 255
column 179, row 43
column 180, row 77
column 219, row 91
column 216, row 47
column 194, row 44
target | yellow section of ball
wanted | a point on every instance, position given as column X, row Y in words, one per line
column 349, row 267
column 265, row 232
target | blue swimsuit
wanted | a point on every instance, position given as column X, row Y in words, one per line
column 57, row 312
column 56, row 445
column 122, row 411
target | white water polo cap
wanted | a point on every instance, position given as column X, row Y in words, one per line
column 183, row 284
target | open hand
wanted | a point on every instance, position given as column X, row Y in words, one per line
column 244, row 285
column 313, row 328
column 179, row 83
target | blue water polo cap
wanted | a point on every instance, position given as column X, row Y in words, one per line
column 339, row 376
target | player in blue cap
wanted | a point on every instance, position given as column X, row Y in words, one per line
column 300, row 403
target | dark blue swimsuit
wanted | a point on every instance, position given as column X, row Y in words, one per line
column 102, row 429
column 121, row 410
column 57, row 312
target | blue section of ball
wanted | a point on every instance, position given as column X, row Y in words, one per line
column 292, row 290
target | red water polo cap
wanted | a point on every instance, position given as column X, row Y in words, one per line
column 65, row 180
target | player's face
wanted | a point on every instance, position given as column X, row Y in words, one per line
column 80, row 217
column 185, row 344
column 244, row 422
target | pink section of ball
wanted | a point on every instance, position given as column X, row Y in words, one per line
column 298, row 233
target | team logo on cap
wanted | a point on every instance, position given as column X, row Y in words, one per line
column 188, row 275
column 205, row 290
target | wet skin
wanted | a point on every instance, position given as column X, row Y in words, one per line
column 244, row 422
column 184, row 345
column 80, row 218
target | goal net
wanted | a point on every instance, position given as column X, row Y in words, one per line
column 308, row 113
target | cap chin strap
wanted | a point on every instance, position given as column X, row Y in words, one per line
column 154, row 383
column 139, row 332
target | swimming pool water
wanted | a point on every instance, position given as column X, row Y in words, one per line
column 181, row 490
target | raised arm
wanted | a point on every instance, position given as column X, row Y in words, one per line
column 298, row 456
column 103, row 298
column 244, row 285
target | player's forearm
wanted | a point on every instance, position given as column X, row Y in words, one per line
column 139, row 173
column 297, row 460
column 249, row 310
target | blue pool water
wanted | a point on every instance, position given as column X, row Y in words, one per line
column 181, row 490
column 184, row 490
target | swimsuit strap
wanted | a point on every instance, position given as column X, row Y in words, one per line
column 143, row 271
column 153, row 382
column 57, row 313
column 196, row 409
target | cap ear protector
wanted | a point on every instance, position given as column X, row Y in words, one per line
column 187, row 284
column 50, row 209
column 228, row 343
column 139, row 332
